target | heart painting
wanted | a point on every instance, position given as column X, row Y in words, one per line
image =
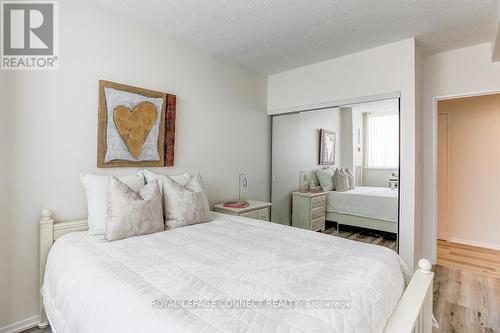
column 136, row 127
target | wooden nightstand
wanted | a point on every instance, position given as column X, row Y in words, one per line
column 308, row 210
column 258, row 210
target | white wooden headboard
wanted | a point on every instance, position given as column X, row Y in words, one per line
column 49, row 231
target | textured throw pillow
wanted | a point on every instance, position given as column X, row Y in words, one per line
column 325, row 178
column 350, row 178
column 341, row 181
column 185, row 205
column 96, row 190
column 131, row 213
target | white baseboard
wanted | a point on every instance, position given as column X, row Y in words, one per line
column 20, row 326
column 473, row 243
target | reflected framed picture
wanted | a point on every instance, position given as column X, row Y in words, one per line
column 327, row 147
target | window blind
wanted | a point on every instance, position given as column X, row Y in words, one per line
column 382, row 149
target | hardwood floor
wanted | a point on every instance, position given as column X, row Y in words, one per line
column 464, row 302
column 363, row 235
column 469, row 258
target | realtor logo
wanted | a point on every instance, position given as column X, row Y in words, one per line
column 30, row 35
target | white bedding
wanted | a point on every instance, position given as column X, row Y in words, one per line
column 374, row 202
column 96, row 286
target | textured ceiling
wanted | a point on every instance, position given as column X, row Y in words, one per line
column 271, row 36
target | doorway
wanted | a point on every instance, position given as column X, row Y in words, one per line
column 468, row 183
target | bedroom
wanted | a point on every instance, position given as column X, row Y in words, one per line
column 229, row 79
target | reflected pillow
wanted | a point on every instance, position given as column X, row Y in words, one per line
column 341, row 181
column 325, row 178
column 350, row 178
column 133, row 213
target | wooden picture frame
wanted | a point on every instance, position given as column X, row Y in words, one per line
column 328, row 141
column 132, row 130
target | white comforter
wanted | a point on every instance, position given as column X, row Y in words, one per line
column 374, row 202
column 96, row 286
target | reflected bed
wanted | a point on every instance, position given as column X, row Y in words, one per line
column 368, row 207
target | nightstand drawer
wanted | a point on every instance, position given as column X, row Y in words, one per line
column 255, row 214
column 317, row 212
column 318, row 224
column 308, row 210
column 264, row 214
column 318, row 201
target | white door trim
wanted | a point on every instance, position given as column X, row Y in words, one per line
column 445, row 235
column 435, row 101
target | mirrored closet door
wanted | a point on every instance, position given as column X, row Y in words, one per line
column 336, row 171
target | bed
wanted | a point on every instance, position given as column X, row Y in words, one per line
column 368, row 207
column 169, row 281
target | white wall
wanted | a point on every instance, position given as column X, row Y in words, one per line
column 222, row 129
column 381, row 70
column 453, row 73
column 357, row 138
column 310, row 125
column 5, row 191
column 377, row 177
column 346, row 139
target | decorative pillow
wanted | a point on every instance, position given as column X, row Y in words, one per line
column 96, row 190
column 131, row 213
column 341, row 181
column 150, row 176
column 325, row 177
column 350, row 178
column 185, row 205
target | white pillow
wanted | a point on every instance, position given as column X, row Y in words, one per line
column 150, row 176
column 325, row 177
column 131, row 213
column 96, row 190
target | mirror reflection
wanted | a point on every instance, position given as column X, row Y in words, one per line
column 336, row 171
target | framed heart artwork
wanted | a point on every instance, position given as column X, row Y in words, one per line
column 136, row 127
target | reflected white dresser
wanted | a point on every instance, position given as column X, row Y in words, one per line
column 308, row 210
column 258, row 210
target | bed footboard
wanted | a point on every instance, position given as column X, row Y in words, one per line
column 413, row 314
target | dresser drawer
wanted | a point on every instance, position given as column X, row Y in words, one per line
column 318, row 224
column 317, row 212
column 318, row 201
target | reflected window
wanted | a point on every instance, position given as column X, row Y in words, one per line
column 382, row 142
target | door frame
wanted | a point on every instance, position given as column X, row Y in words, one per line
column 434, row 175
column 447, row 172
